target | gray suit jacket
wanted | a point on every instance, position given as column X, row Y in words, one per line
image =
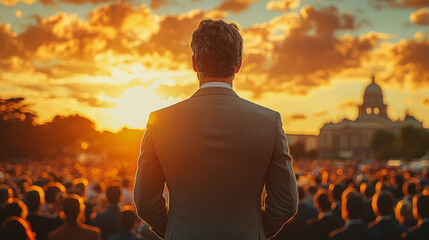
column 215, row 151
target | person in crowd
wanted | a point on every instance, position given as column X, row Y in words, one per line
column 421, row 212
column 51, row 207
column 127, row 195
column 367, row 190
column 73, row 209
column 385, row 224
column 16, row 208
column 410, row 188
column 40, row 224
column 128, row 220
column 108, row 220
column 16, row 228
column 326, row 221
column 296, row 227
column 352, row 209
column 5, row 198
column 404, row 214
column 335, row 192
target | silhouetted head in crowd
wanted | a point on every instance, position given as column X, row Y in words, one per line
column 51, row 190
column 321, row 201
column 421, row 206
column 381, row 186
column 15, row 228
column 5, row 194
column 128, row 217
column 403, row 211
column 367, row 190
column 34, row 197
column 79, row 186
column 352, row 206
column 73, row 207
column 410, row 188
column 125, row 183
column 382, row 203
column 113, row 194
column 16, row 209
column 336, row 191
column 217, row 49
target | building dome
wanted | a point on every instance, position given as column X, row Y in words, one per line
column 373, row 106
column 373, row 95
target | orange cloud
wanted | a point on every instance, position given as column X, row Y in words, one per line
column 379, row 4
column 425, row 101
column 157, row 4
column 235, row 5
column 50, row 2
column 282, row 5
column 309, row 54
column 407, row 62
column 420, row 17
column 14, row 2
column 297, row 116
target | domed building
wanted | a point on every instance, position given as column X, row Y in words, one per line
column 348, row 139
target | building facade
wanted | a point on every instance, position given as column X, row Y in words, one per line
column 348, row 139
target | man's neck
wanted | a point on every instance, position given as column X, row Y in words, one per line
column 227, row 80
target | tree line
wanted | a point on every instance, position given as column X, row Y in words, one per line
column 410, row 143
column 22, row 137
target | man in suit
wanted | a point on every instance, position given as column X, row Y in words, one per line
column 215, row 151
column 352, row 209
column 382, row 203
column 73, row 208
column 326, row 222
column 421, row 212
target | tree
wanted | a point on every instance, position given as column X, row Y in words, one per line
column 382, row 143
column 412, row 142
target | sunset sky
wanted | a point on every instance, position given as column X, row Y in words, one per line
column 116, row 61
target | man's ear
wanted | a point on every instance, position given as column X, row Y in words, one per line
column 239, row 66
column 194, row 64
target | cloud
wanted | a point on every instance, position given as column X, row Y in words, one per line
column 380, row 4
column 157, row 4
column 282, row 5
column 50, row 2
column 420, row 17
column 309, row 53
column 425, row 101
column 235, row 6
column 14, row 2
column 406, row 62
column 297, row 116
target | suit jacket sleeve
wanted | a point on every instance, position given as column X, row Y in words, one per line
column 149, row 185
column 281, row 202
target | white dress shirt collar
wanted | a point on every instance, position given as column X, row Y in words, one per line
column 216, row 84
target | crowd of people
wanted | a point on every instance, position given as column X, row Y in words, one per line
column 76, row 199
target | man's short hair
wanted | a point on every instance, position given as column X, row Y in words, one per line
column 321, row 200
column 382, row 203
column 421, row 205
column 34, row 198
column 128, row 217
column 353, row 203
column 336, row 191
column 72, row 206
column 217, row 47
column 113, row 194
